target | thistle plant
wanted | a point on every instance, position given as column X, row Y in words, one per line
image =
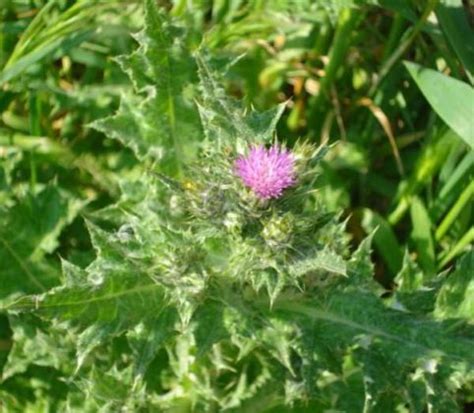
column 224, row 284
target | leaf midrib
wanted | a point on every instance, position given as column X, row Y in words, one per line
column 22, row 264
column 106, row 297
column 326, row 315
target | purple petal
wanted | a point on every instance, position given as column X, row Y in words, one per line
column 266, row 171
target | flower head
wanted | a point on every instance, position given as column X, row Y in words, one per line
column 267, row 171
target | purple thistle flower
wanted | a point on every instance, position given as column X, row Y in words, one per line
column 267, row 171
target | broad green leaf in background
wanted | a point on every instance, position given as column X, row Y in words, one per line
column 451, row 99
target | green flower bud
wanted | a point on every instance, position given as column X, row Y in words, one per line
column 278, row 230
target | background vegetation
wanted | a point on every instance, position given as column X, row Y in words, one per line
column 389, row 82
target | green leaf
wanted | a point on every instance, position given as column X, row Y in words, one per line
column 210, row 314
column 453, row 185
column 9, row 157
column 34, row 344
column 324, row 260
column 110, row 390
column 377, row 337
column 456, row 297
column 403, row 7
column 385, row 240
column 415, row 292
column 410, row 277
column 422, row 235
column 360, row 268
column 455, row 25
column 29, row 230
column 429, row 162
column 450, row 98
column 150, row 336
column 224, row 119
column 111, row 296
column 158, row 121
